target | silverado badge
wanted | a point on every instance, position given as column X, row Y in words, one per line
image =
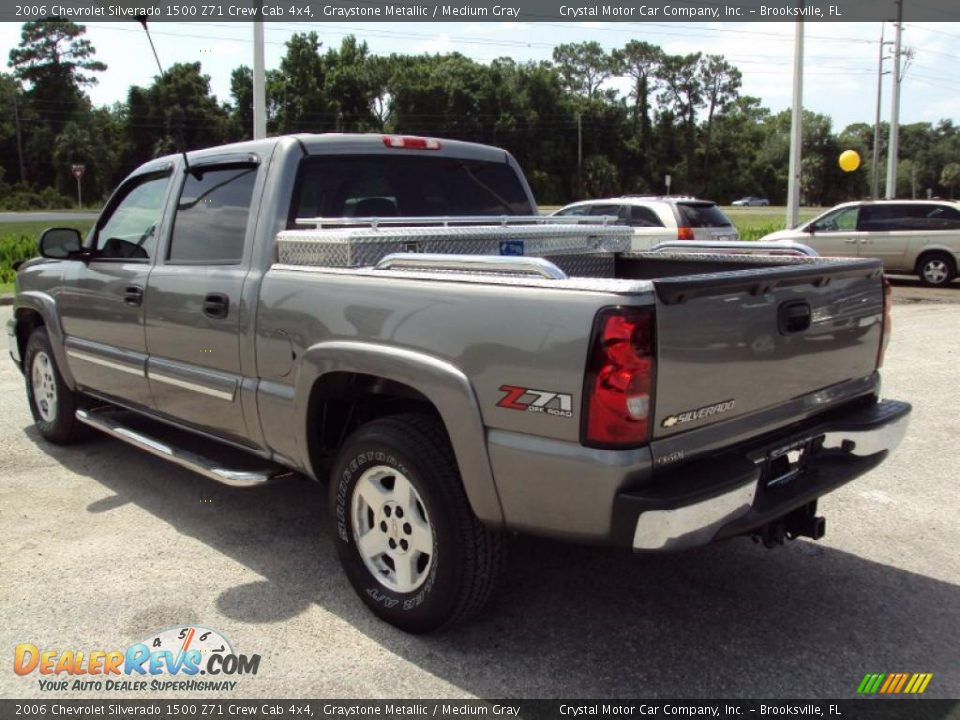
column 698, row 414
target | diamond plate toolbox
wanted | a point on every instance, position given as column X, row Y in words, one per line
column 366, row 246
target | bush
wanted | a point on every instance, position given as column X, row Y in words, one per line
column 19, row 199
column 14, row 248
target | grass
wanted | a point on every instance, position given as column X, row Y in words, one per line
column 18, row 241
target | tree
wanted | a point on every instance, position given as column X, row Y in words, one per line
column 298, row 88
column 641, row 62
column 950, row 177
column 55, row 62
column 720, row 82
column 241, row 90
column 11, row 97
column 54, row 51
column 584, row 67
column 683, row 93
column 177, row 107
column 351, row 85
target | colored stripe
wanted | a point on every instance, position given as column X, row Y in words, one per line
column 926, row 681
column 903, row 680
column 912, row 684
column 890, row 680
column 878, row 678
column 863, row 683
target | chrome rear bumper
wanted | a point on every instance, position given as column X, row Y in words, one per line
column 736, row 492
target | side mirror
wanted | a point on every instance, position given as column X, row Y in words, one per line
column 60, row 243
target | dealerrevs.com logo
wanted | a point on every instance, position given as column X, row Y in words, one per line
column 169, row 660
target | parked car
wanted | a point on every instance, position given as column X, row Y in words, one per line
column 443, row 375
column 916, row 237
column 751, row 201
column 656, row 218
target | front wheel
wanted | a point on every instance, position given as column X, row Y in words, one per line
column 405, row 534
column 52, row 403
column 936, row 269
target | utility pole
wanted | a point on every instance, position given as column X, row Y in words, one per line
column 796, row 130
column 895, row 76
column 579, row 158
column 16, row 118
column 259, row 84
column 875, row 184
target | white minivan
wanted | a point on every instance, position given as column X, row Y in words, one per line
column 915, row 237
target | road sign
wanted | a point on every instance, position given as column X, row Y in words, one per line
column 78, row 171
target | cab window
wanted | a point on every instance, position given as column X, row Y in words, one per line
column 129, row 231
column 211, row 222
column 843, row 220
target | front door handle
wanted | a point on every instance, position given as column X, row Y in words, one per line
column 216, row 305
column 133, row 295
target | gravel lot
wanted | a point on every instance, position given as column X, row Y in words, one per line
column 103, row 545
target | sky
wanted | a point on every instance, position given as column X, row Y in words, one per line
column 840, row 64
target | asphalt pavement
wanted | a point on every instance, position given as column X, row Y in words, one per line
column 104, row 545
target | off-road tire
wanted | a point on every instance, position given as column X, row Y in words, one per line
column 466, row 556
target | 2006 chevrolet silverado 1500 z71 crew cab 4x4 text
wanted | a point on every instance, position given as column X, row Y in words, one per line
column 339, row 306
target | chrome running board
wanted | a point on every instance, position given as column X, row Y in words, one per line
column 105, row 420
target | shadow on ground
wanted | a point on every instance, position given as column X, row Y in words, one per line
column 569, row 621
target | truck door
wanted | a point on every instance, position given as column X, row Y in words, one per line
column 101, row 305
column 836, row 234
column 193, row 300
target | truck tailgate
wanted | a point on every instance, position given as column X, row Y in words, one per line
column 735, row 343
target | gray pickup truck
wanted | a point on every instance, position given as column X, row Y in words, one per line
column 386, row 313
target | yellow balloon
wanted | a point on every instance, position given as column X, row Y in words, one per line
column 849, row 160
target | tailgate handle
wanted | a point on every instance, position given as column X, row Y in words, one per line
column 794, row 317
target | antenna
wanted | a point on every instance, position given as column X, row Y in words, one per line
column 142, row 19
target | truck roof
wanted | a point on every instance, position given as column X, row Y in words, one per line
column 316, row 144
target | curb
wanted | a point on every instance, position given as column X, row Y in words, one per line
column 6, row 299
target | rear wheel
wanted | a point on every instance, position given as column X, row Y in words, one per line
column 406, row 536
column 936, row 269
column 52, row 403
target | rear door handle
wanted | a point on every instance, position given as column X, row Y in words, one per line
column 216, row 305
column 133, row 295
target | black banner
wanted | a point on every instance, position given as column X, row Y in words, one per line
column 191, row 709
column 475, row 11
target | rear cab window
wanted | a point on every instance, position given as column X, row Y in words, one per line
column 406, row 186
column 210, row 225
column 702, row 215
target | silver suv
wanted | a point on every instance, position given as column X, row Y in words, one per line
column 656, row 218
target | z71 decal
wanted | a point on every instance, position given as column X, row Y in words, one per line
column 539, row 401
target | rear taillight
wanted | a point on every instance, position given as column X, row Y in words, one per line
column 887, row 321
column 684, row 233
column 408, row 142
column 618, row 396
